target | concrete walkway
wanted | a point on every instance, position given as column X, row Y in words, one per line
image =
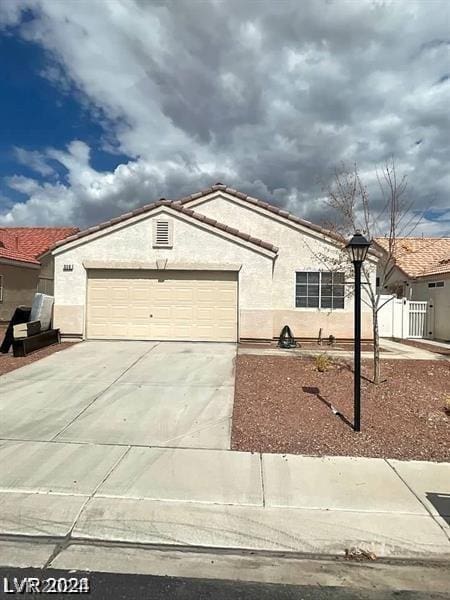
column 392, row 351
column 74, row 470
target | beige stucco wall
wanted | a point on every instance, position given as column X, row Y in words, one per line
column 439, row 300
column 298, row 251
column 396, row 283
column 192, row 243
column 19, row 287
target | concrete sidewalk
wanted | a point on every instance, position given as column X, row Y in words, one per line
column 63, row 492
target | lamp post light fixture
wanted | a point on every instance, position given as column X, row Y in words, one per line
column 357, row 248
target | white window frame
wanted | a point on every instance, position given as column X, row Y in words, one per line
column 170, row 233
column 1, row 288
column 316, row 308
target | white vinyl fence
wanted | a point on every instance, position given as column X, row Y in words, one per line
column 402, row 318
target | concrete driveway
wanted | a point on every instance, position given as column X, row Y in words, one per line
column 168, row 394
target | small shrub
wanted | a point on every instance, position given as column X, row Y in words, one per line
column 447, row 405
column 322, row 362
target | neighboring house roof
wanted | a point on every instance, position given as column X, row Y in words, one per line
column 178, row 208
column 15, row 255
column 26, row 244
column 419, row 256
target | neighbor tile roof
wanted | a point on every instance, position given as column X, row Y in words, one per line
column 25, row 244
column 177, row 207
column 11, row 254
column 419, row 256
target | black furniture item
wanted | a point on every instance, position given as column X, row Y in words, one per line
column 286, row 339
column 21, row 315
column 24, row 346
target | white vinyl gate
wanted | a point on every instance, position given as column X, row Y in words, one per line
column 417, row 319
column 402, row 318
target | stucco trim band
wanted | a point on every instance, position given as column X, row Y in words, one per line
column 153, row 266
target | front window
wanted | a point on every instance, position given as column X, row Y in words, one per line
column 319, row 289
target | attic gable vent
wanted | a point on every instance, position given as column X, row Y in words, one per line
column 162, row 233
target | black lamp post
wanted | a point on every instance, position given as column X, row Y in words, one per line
column 357, row 248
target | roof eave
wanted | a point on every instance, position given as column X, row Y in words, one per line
column 19, row 263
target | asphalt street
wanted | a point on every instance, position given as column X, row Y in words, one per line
column 113, row 586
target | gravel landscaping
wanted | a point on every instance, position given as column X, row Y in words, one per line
column 8, row 362
column 282, row 404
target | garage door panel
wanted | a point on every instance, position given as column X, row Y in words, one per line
column 137, row 314
column 138, row 331
column 119, row 292
column 99, row 330
column 100, row 294
column 162, row 330
column 228, row 296
column 181, row 294
column 183, row 331
column 139, row 294
column 161, row 313
column 205, row 313
column 118, row 312
column 162, row 295
column 183, row 313
column 97, row 312
column 186, row 305
column 224, row 314
column 116, row 330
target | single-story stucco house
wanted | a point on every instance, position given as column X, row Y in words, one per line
column 217, row 265
column 22, row 274
column 422, row 273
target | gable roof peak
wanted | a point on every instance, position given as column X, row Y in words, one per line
column 261, row 204
column 178, row 207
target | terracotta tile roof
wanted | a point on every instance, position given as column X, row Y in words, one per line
column 174, row 206
column 10, row 254
column 25, row 244
column 420, row 257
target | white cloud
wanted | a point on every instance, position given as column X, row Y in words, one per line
column 270, row 100
column 34, row 160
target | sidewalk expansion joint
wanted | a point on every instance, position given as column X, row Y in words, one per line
column 65, row 542
column 426, row 507
column 262, row 479
column 120, row 444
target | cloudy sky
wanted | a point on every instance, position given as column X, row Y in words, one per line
column 110, row 104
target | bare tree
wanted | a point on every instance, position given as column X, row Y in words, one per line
column 349, row 201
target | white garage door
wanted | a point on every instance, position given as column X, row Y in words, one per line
column 162, row 305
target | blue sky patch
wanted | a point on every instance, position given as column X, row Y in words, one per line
column 35, row 114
